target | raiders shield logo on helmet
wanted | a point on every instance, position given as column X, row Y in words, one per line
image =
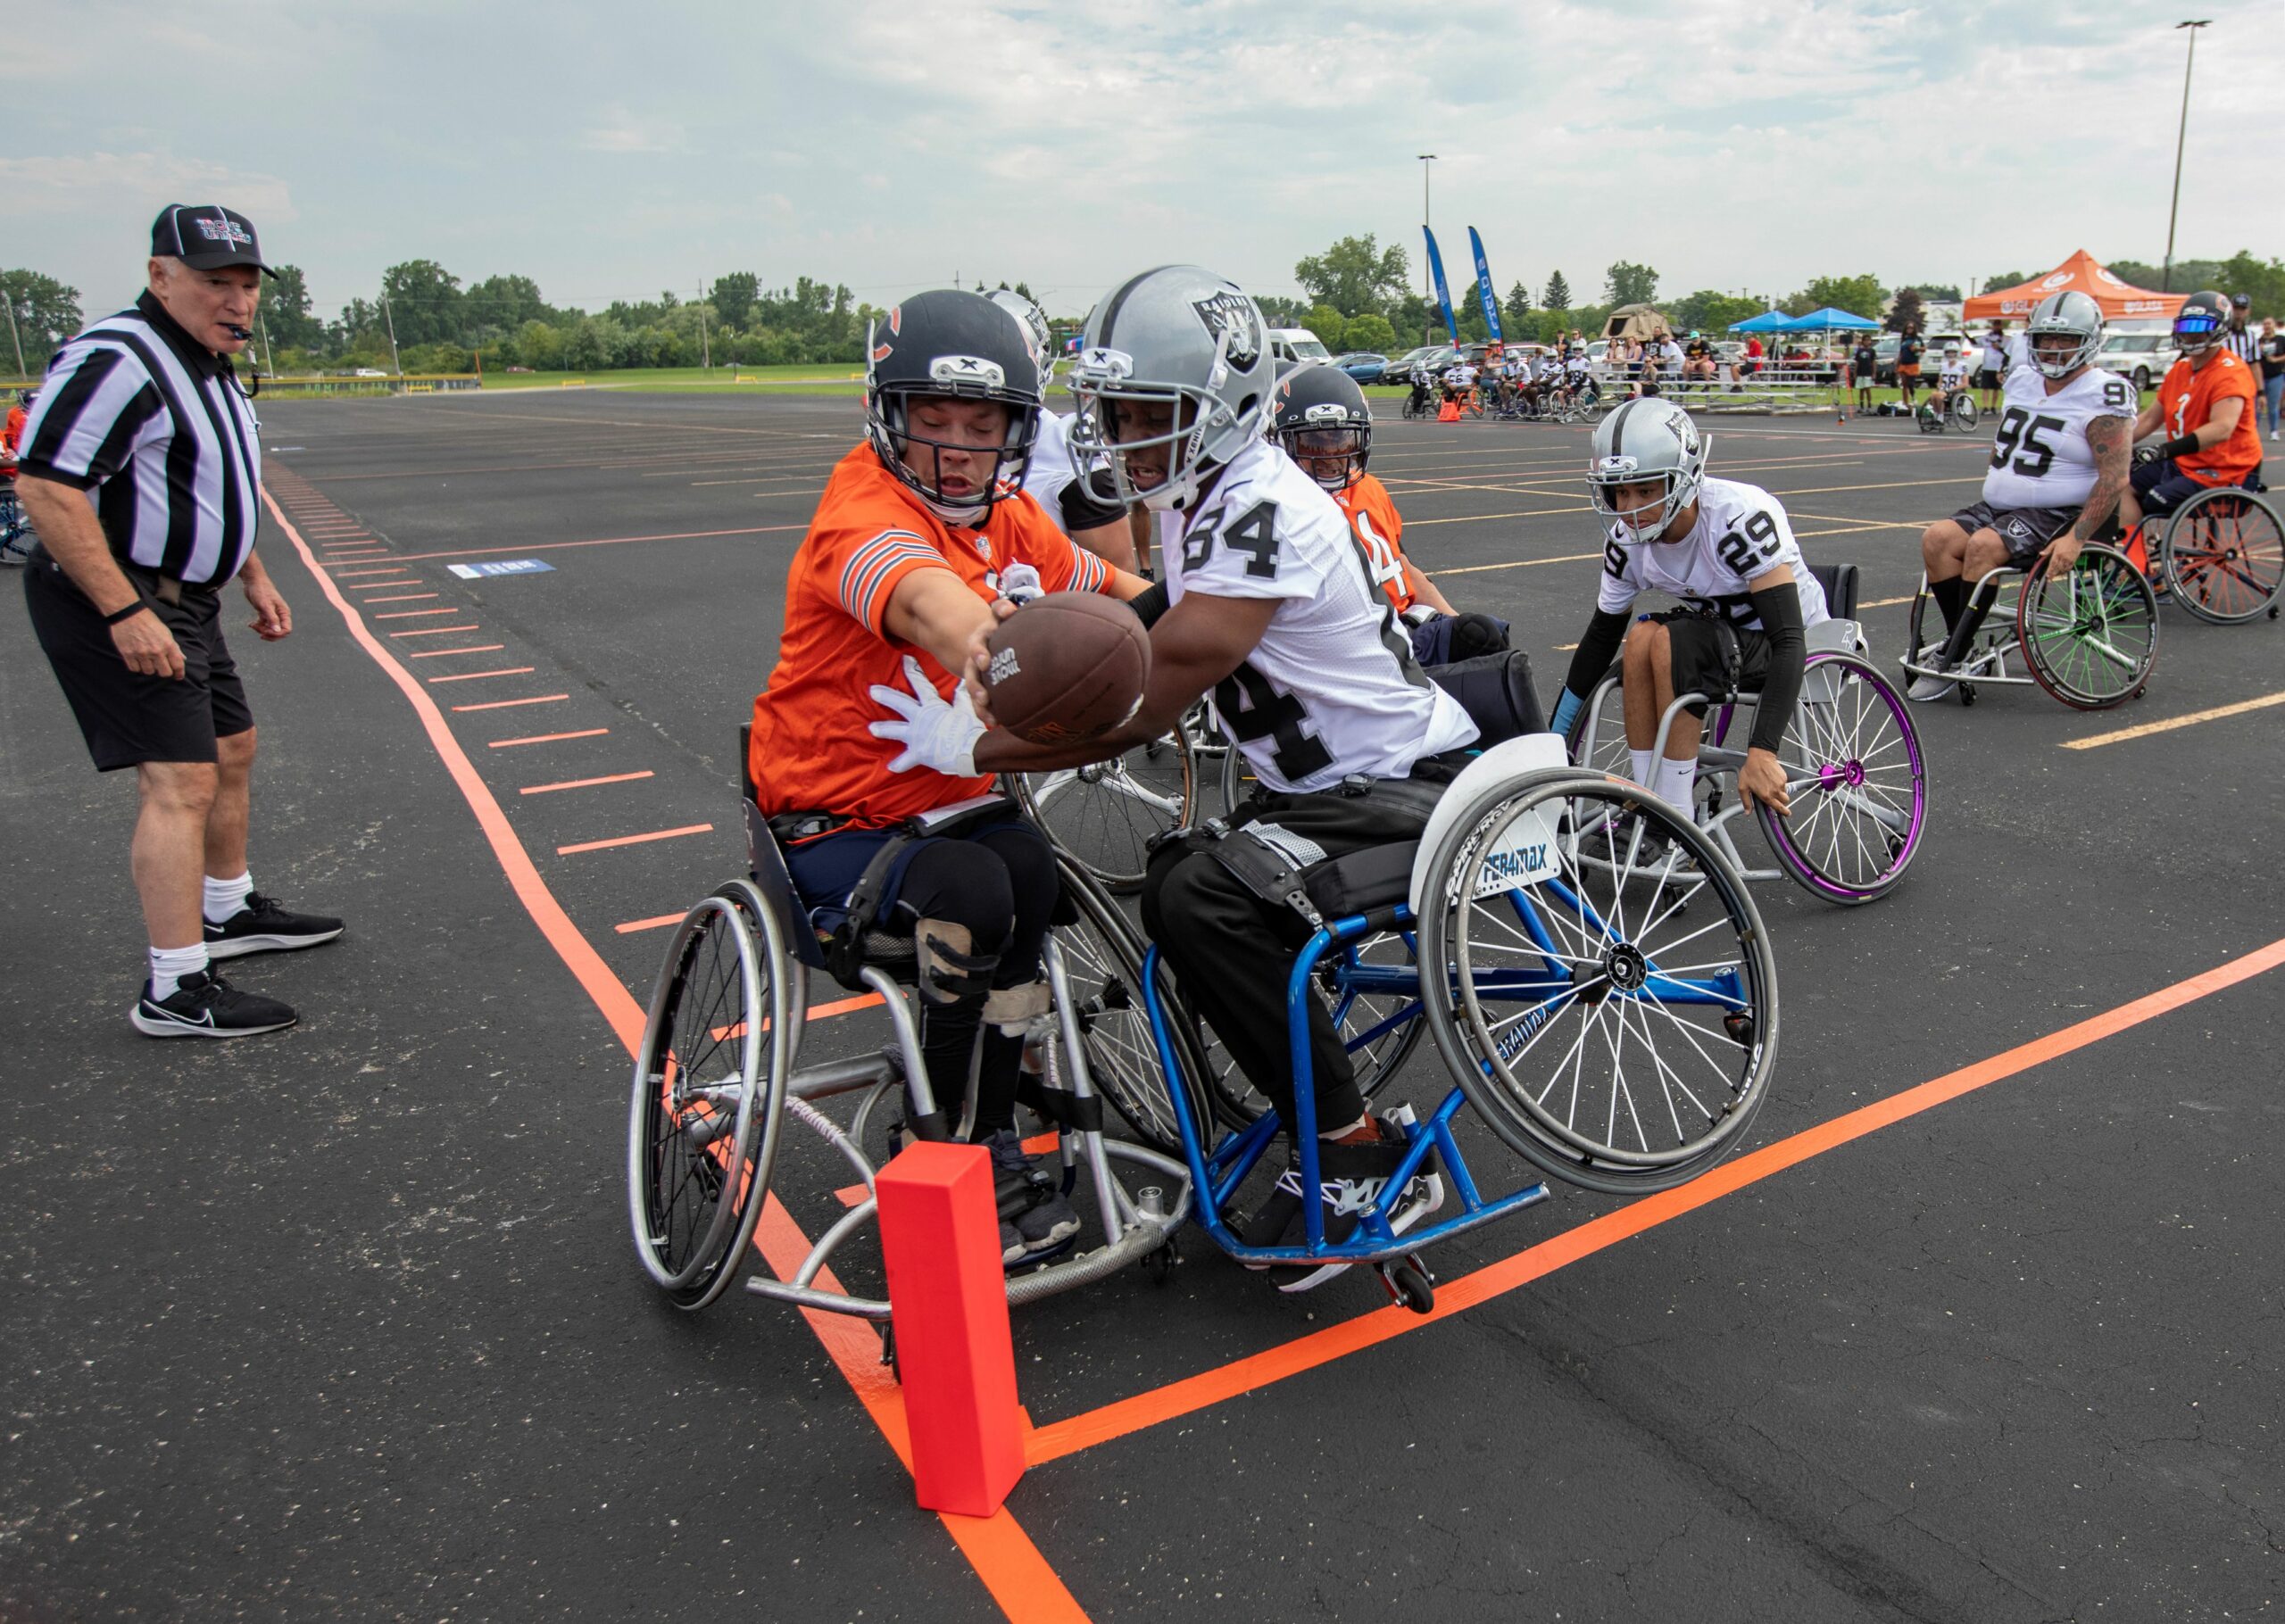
column 1232, row 313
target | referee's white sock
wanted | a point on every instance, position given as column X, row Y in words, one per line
column 225, row 898
column 169, row 965
column 1645, row 769
column 1673, row 781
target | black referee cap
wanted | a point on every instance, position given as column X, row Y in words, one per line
column 206, row 237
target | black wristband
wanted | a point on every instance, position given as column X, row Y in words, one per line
column 2181, row 445
column 128, row 613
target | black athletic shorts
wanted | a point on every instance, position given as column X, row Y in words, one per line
column 1710, row 658
column 2161, row 486
column 1987, row 379
column 127, row 719
column 2026, row 530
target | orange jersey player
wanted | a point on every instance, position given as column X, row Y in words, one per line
column 891, row 592
column 1325, row 426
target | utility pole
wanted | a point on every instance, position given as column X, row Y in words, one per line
column 1427, row 272
column 14, row 337
column 2167, row 279
column 388, row 316
column 269, row 355
column 705, row 354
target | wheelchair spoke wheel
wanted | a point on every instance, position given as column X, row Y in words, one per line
column 1614, row 1022
column 709, row 1087
column 1858, row 783
column 1102, row 961
column 2089, row 637
column 1103, row 815
column 2224, row 556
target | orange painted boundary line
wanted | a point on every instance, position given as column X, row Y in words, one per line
column 482, row 648
column 409, row 614
column 402, row 598
column 585, row 733
column 633, row 840
column 436, row 630
column 656, row 922
column 1018, row 1577
column 1093, row 1427
column 469, row 677
column 536, row 698
column 581, row 783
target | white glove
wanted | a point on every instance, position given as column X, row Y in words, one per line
column 1020, row 584
column 939, row 736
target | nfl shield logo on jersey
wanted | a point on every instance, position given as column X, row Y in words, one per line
column 1231, row 316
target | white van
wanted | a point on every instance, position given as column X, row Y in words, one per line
column 1297, row 344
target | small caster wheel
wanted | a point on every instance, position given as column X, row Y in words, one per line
column 1160, row 1262
column 2139, row 692
column 1408, row 1286
column 1967, row 694
column 2273, row 611
column 888, row 1353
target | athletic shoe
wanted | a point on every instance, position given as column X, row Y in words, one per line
column 1350, row 1179
column 205, row 1005
column 1927, row 689
column 1031, row 1206
column 1011, row 1243
column 263, row 927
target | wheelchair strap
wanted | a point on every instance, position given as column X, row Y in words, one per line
column 1060, row 1106
column 844, row 955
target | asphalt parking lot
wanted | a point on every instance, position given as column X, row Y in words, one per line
column 344, row 1323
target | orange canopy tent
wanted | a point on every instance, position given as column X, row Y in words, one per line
column 2080, row 271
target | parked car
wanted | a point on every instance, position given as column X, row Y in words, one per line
column 2141, row 357
column 1297, row 344
column 1363, row 365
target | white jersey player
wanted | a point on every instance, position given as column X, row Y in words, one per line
column 1728, row 552
column 2058, row 467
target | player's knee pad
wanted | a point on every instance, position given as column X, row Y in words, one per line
column 952, row 970
column 1011, row 1009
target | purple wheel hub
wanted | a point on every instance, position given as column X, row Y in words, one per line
column 1832, row 774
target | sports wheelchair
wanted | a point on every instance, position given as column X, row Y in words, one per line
column 1422, row 398
column 2089, row 637
column 1648, row 1069
column 716, row 1081
column 1854, row 768
column 1105, row 814
column 1958, row 412
column 2221, row 555
column 16, row 537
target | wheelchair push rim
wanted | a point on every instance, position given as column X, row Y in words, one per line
column 1606, row 1032
column 2090, row 637
column 2223, row 557
column 1104, row 814
column 1859, row 784
column 703, row 1122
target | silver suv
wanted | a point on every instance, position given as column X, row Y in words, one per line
column 2141, row 357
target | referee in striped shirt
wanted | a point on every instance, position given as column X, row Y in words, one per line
column 141, row 469
column 2241, row 340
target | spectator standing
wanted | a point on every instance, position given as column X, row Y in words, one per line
column 1864, row 371
column 142, row 472
column 2273, row 372
column 1991, row 364
column 1909, row 347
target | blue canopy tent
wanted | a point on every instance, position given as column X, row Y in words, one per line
column 1769, row 321
column 1826, row 320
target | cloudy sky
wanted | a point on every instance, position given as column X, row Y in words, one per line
column 612, row 150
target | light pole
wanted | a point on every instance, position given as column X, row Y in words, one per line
column 2167, row 279
column 1427, row 273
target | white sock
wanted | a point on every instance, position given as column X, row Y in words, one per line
column 1674, row 781
column 1645, row 764
column 225, row 898
column 169, row 965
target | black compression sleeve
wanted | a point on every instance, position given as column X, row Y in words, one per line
column 1597, row 645
column 1082, row 511
column 1780, row 608
column 1150, row 603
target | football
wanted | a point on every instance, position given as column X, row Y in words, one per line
column 1066, row 667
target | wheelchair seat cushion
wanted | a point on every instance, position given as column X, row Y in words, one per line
column 1840, row 583
column 1497, row 691
column 1378, row 876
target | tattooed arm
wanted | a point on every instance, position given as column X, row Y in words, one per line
column 2110, row 439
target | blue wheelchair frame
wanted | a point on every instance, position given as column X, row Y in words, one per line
column 1218, row 1173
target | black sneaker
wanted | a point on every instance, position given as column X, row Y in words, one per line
column 1350, row 1179
column 1030, row 1204
column 205, row 1005
column 263, row 927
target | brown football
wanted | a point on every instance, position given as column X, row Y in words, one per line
column 1067, row 666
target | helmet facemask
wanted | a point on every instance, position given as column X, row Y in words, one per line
column 2059, row 354
column 1105, row 427
column 916, row 456
column 1608, row 475
column 2197, row 330
column 1329, row 448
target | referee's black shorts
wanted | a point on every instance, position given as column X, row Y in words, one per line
column 126, row 718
